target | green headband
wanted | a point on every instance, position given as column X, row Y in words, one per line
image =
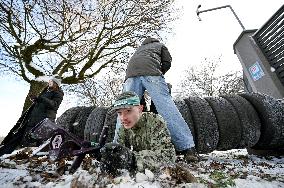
column 134, row 101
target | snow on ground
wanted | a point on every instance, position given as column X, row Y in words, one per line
column 233, row 168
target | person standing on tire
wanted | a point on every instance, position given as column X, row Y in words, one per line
column 145, row 71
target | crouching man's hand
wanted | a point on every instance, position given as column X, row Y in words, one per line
column 115, row 157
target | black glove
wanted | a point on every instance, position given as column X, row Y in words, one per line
column 115, row 157
column 33, row 97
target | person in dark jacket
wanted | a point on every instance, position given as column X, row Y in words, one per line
column 145, row 71
column 44, row 106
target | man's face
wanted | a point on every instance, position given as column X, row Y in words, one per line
column 129, row 116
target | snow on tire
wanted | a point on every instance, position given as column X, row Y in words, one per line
column 78, row 126
column 67, row 119
column 250, row 122
column 228, row 123
column 184, row 110
column 94, row 124
column 271, row 114
column 205, row 124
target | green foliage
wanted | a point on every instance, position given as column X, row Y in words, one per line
column 221, row 179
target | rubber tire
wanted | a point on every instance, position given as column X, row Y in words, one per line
column 205, row 124
column 94, row 124
column 68, row 117
column 183, row 109
column 110, row 121
column 228, row 123
column 250, row 122
column 78, row 127
column 271, row 114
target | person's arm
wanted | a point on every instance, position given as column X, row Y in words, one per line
column 52, row 103
column 166, row 59
column 161, row 149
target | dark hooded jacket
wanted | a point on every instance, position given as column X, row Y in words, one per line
column 152, row 58
column 46, row 106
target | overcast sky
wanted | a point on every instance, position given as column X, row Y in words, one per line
column 193, row 41
column 215, row 34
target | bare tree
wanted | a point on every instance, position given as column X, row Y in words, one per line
column 206, row 80
column 98, row 92
column 231, row 83
column 74, row 39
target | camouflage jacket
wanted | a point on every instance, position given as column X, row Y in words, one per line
column 150, row 141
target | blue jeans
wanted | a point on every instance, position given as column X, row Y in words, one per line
column 159, row 93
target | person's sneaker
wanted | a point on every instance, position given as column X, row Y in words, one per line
column 190, row 155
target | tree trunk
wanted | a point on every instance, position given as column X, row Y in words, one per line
column 36, row 88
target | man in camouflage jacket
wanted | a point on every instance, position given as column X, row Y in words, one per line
column 144, row 133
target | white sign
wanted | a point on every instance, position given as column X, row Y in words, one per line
column 256, row 71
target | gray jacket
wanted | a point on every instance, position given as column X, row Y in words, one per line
column 152, row 58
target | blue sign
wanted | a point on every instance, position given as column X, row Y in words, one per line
column 256, row 71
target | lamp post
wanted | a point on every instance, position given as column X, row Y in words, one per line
column 226, row 6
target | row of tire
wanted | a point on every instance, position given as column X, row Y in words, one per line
column 87, row 122
column 249, row 120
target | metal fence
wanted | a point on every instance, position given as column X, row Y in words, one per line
column 270, row 39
